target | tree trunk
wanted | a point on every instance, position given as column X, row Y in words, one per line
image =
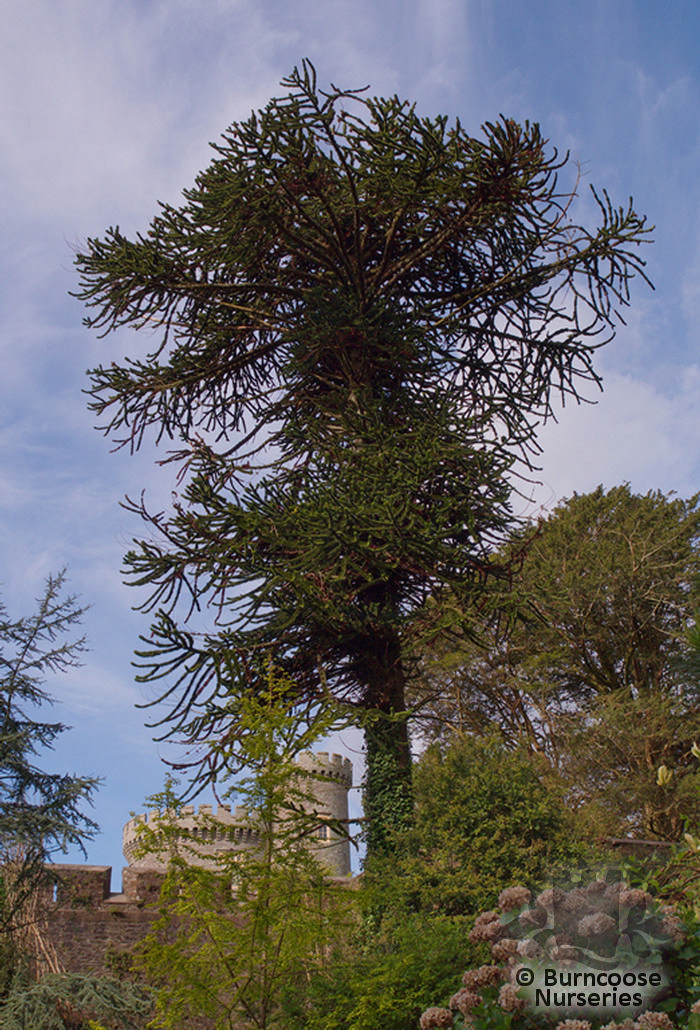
column 387, row 796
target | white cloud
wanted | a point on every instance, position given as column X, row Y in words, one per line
column 93, row 689
column 102, row 105
column 635, row 434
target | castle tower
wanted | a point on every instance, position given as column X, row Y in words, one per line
column 204, row 834
column 330, row 779
column 208, row 833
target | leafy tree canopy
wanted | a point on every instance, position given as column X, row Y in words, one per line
column 360, row 315
column 590, row 679
column 486, row 817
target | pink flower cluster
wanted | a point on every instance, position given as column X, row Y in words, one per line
column 560, row 926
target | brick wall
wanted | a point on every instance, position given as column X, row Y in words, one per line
column 86, row 926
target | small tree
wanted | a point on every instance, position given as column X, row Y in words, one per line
column 234, row 940
column 362, row 316
column 40, row 812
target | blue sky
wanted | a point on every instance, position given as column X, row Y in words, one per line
column 109, row 105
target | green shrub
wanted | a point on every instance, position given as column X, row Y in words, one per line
column 74, row 1000
column 485, row 818
column 387, row 981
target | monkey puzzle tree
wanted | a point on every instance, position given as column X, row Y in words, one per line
column 361, row 317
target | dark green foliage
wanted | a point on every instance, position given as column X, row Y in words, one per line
column 69, row 1001
column 589, row 679
column 674, row 877
column 485, row 818
column 684, row 970
column 622, row 572
column 387, row 983
column 40, row 812
column 687, row 663
column 387, row 794
column 361, row 316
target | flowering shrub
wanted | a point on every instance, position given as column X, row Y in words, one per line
column 602, row 926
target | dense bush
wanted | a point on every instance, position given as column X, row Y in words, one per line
column 386, row 977
column 484, row 818
column 70, row 1001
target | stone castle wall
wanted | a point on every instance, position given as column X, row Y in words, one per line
column 211, row 832
column 88, row 928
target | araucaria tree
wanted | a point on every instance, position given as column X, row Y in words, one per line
column 361, row 315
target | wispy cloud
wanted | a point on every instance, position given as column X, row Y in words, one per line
column 634, row 434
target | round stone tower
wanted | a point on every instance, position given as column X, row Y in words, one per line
column 207, row 833
column 204, row 834
column 329, row 780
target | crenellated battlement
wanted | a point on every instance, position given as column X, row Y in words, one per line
column 333, row 767
column 210, row 831
column 87, row 924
